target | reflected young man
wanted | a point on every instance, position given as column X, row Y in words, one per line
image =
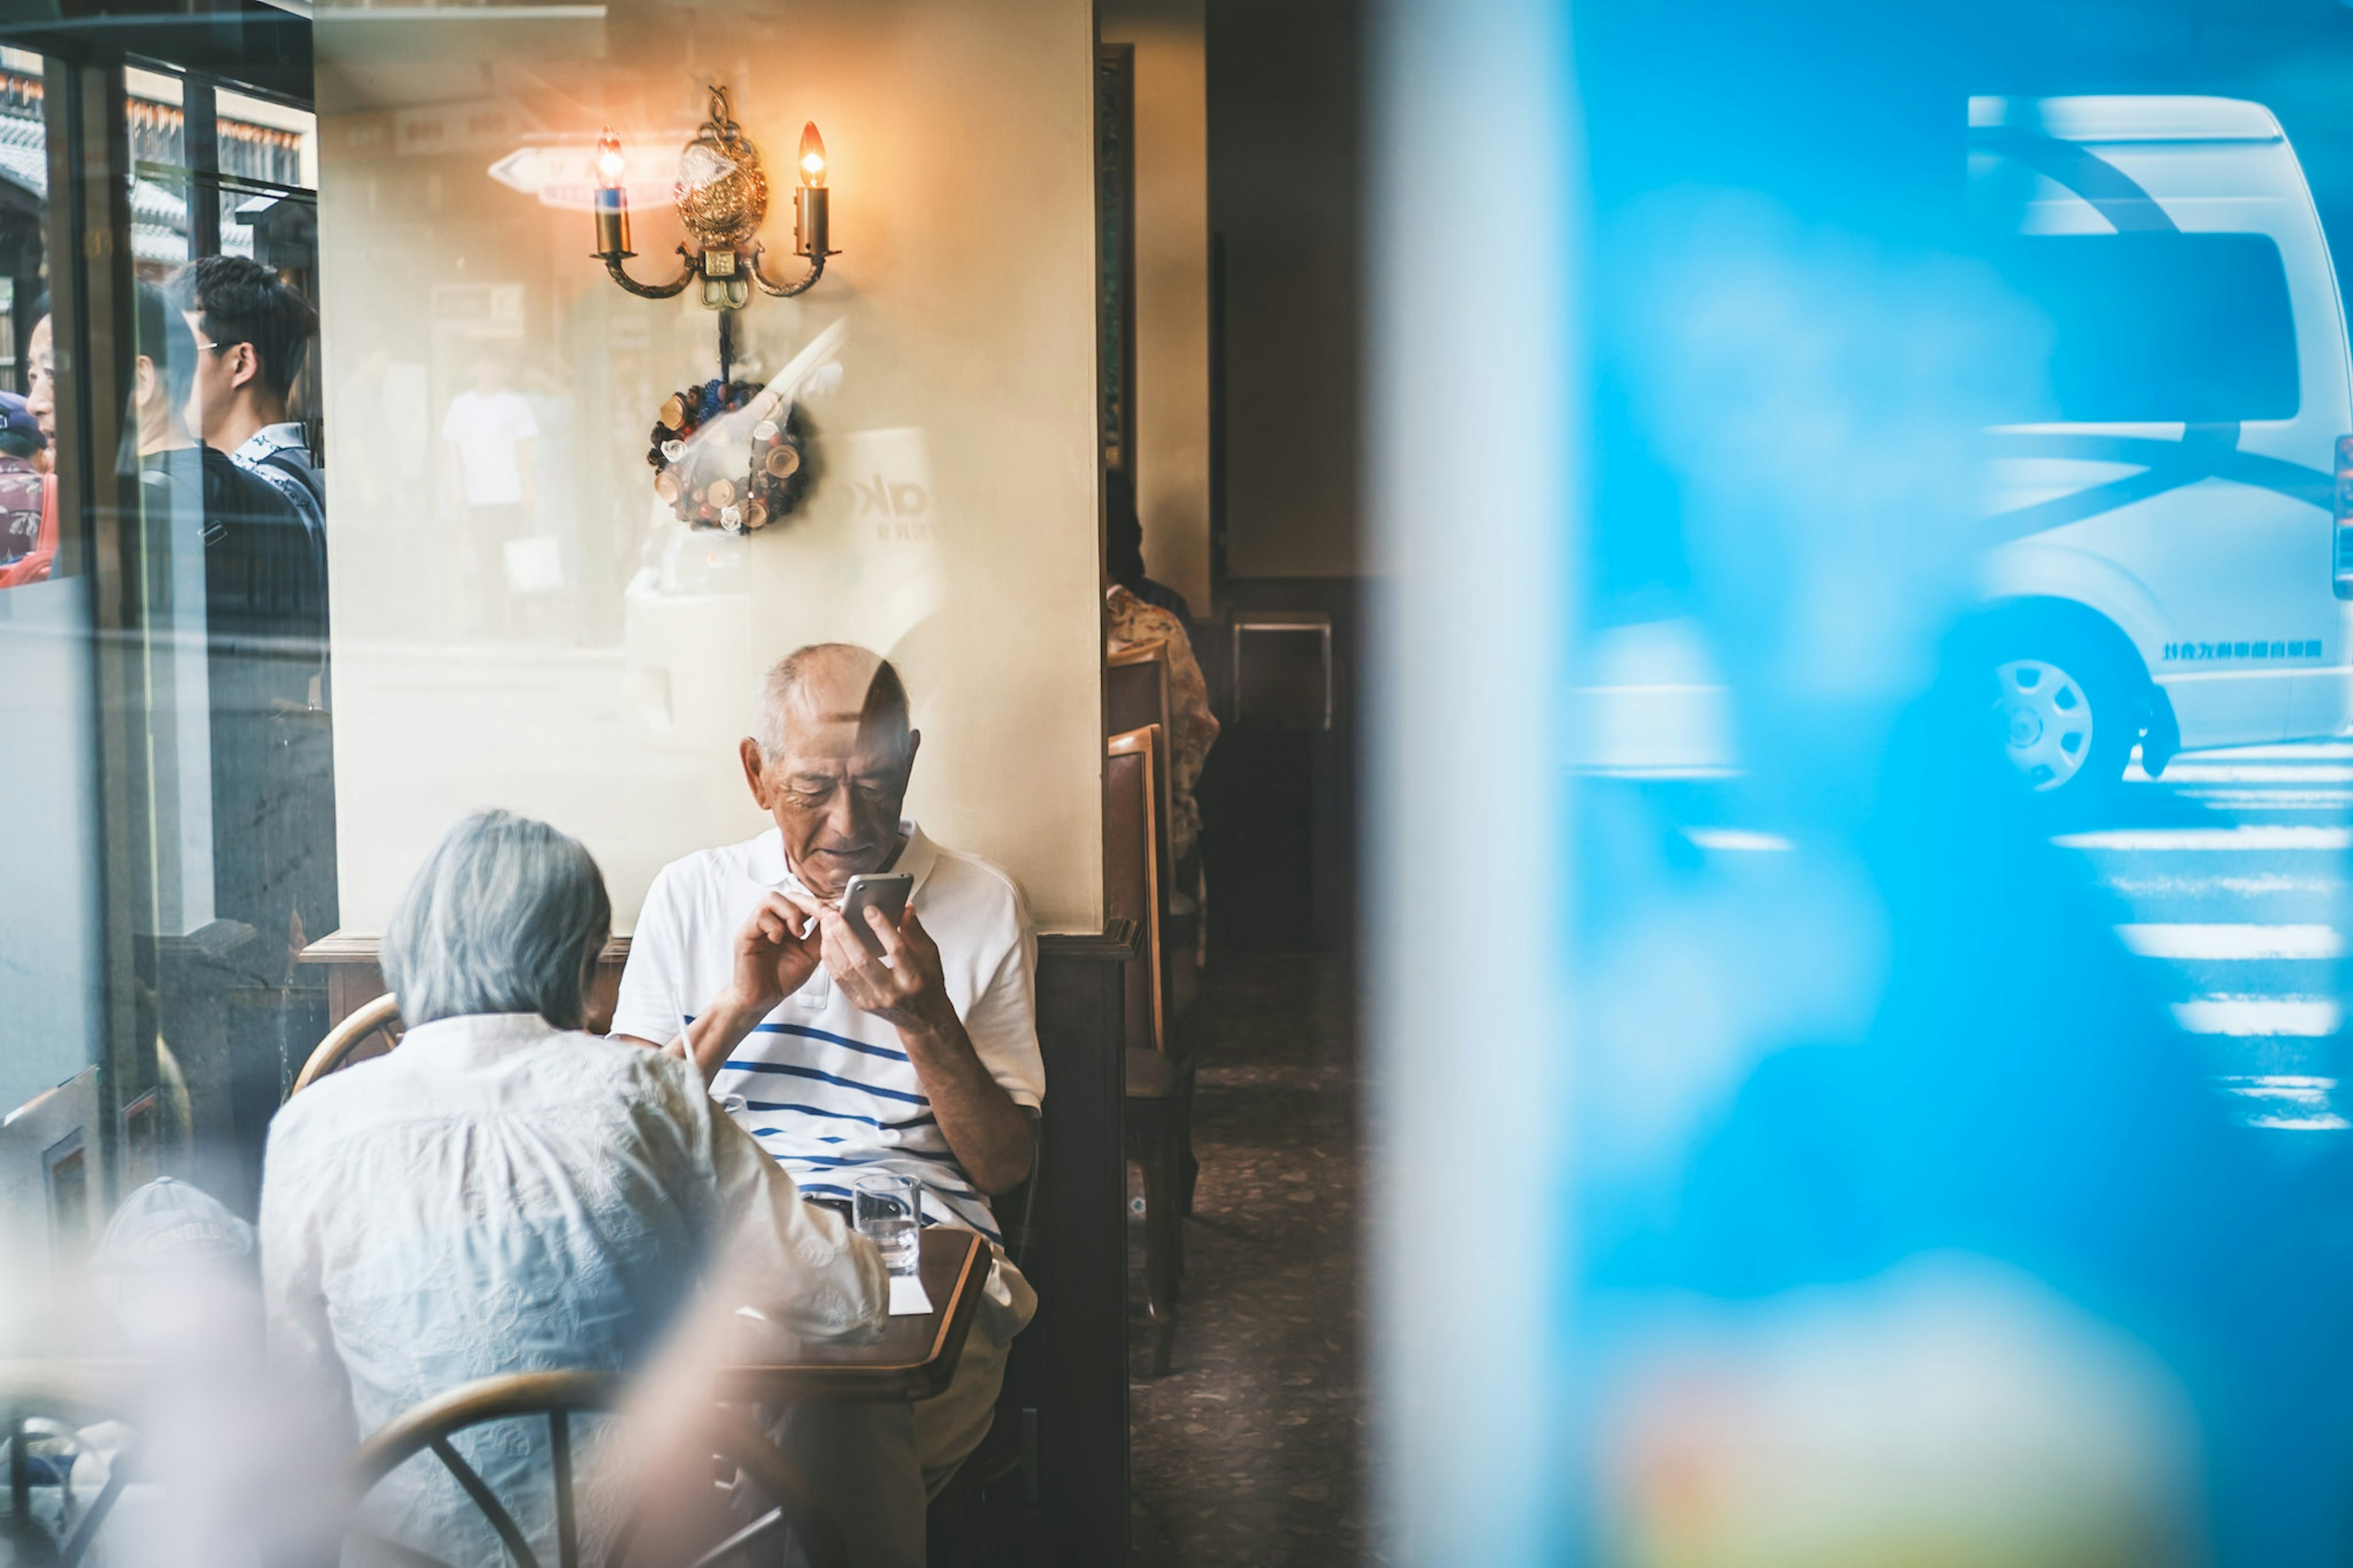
column 920, row 1063
column 251, row 332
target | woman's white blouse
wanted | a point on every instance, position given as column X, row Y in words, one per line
column 497, row 1195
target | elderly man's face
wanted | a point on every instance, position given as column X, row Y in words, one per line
column 835, row 787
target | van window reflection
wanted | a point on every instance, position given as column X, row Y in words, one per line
column 2161, row 328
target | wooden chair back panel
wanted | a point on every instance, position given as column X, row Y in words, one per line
column 1131, row 874
column 1136, row 697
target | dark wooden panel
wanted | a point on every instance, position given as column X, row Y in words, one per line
column 1071, row 1364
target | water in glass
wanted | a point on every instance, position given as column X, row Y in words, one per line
column 887, row 1216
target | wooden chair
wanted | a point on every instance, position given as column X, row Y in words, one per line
column 557, row 1397
column 379, row 1018
column 1153, row 1125
column 1136, row 696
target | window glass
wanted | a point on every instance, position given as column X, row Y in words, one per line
column 29, row 535
column 2161, row 327
column 51, row 959
column 230, row 560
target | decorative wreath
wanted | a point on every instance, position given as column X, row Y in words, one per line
column 731, row 454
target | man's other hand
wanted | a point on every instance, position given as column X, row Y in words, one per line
column 776, row 952
column 909, row 991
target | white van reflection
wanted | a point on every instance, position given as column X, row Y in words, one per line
column 2172, row 531
column 2165, row 569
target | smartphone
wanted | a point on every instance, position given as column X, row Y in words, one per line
column 884, row 890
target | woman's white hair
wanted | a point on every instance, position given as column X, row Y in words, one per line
column 505, row 916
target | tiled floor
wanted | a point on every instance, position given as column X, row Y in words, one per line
column 1251, row 1450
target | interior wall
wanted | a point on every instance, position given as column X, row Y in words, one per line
column 1172, row 284
column 1283, row 93
column 953, row 523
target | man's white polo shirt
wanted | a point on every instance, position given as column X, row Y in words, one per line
column 825, row 1087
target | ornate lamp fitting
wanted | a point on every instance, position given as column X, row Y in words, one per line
column 722, row 195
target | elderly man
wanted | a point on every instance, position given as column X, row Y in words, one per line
column 505, row 1193
column 922, row 1062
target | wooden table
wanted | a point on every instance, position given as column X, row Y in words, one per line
column 914, row 1359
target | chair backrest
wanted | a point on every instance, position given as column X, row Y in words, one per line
column 557, row 1397
column 379, row 1017
column 1131, row 886
column 1136, row 697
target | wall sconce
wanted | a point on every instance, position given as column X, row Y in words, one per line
column 722, row 195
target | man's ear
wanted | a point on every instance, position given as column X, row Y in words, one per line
column 914, row 739
column 245, row 367
column 754, row 771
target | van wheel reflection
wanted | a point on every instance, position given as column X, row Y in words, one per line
column 2064, row 723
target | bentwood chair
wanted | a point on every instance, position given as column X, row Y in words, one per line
column 375, row 1021
column 793, row 1513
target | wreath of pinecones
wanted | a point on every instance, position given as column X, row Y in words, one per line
column 731, row 456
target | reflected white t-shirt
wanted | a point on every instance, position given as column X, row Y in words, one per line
column 826, row 1087
column 489, row 428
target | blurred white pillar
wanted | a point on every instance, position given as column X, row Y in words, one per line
column 1474, row 425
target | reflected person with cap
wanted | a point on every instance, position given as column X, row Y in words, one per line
column 29, row 520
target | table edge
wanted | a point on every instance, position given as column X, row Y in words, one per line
column 753, row 1383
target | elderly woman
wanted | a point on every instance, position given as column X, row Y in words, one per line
column 506, row 1194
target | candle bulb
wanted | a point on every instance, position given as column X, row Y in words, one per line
column 612, row 200
column 809, row 202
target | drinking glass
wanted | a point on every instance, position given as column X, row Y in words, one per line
column 888, row 1214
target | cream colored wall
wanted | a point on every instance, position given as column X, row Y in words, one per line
column 1172, row 285
column 954, row 524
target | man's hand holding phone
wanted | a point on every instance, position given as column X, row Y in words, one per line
column 904, row 985
column 776, row 952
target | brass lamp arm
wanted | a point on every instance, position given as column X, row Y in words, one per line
column 786, row 290
column 614, row 258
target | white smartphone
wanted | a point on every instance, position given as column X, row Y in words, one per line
column 884, row 890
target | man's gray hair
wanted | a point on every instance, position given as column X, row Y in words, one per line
column 505, row 916
column 781, row 687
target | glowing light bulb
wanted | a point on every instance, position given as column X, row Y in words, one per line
column 812, row 159
column 612, row 201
